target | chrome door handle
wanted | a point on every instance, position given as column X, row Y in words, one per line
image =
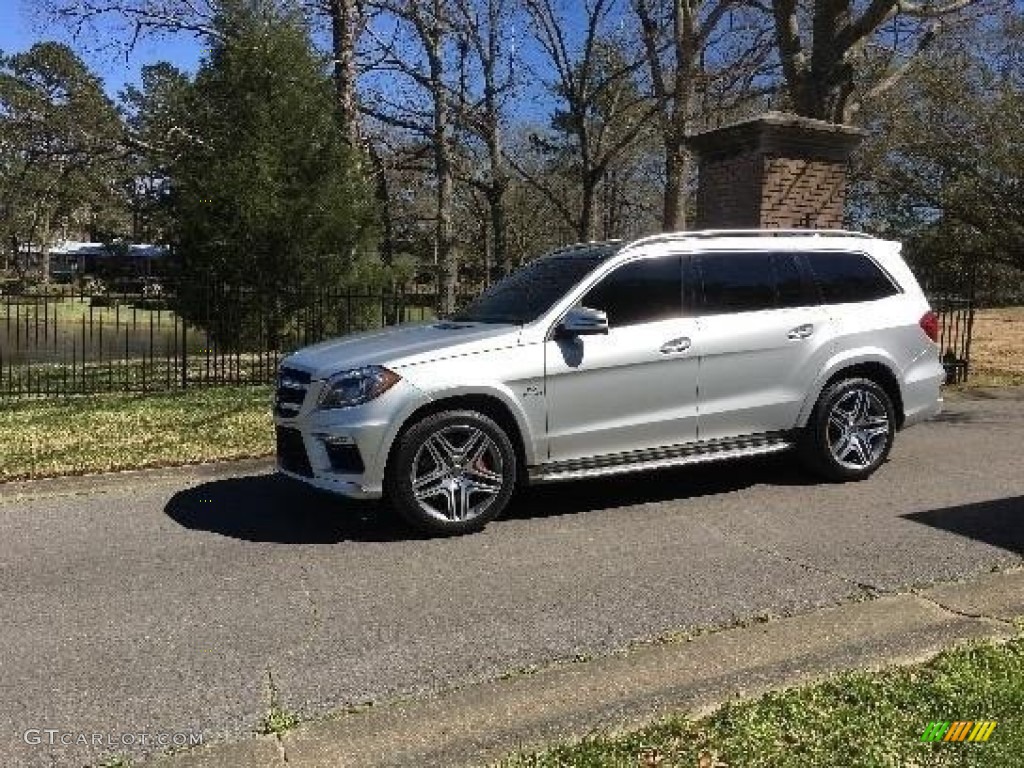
column 675, row 346
column 801, row 331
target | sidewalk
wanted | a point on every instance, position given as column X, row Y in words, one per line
column 482, row 723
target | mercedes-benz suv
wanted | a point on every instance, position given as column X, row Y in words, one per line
column 614, row 357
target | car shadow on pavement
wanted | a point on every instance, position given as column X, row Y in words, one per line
column 999, row 523
column 274, row 508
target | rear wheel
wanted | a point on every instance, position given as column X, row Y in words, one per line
column 452, row 473
column 851, row 430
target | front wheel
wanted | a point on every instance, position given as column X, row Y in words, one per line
column 452, row 473
column 851, row 431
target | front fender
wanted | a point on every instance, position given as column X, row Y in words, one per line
column 496, row 391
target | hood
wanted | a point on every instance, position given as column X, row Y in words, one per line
column 402, row 345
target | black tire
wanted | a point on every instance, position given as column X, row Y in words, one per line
column 835, row 443
column 477, row 478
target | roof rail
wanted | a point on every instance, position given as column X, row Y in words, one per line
column 772, row 232
column 698, row 234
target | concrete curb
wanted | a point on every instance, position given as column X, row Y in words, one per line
column 74, row 485
column 481, row 723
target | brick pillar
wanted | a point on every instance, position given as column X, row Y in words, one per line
column 774, row 171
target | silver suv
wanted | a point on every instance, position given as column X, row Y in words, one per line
column 616, row 357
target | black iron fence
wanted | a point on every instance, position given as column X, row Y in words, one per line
column 956, row 327
column 74, row 340
column 952, row 294
column 150, row 337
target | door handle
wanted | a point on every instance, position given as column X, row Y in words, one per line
column 675, row 346
column 801, row 331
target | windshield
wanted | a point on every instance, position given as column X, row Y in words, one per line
column 532, row 290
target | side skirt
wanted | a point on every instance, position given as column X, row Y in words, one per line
column 659, row 458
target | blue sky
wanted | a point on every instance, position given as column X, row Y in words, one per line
column 21, row 25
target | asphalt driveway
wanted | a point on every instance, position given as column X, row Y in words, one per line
column 169, row 603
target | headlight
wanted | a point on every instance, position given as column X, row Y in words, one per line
column 357, row 386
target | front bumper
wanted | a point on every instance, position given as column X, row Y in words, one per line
column 343, row 450
column 304, row 452
column 350, row 489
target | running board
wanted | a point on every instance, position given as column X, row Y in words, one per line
column 660, row 458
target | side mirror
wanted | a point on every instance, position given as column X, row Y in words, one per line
column 582, row 321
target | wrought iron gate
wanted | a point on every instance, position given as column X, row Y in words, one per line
column 952, row 297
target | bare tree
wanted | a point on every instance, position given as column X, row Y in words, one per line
column 602, row 109
column 483, row 30
column 695, row 48
column 133, row 20
column 92, row 20
column 419, row 51
column 821, row 73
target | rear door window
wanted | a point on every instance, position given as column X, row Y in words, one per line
column 751, row 281
column 791, row 288
column 737, row 282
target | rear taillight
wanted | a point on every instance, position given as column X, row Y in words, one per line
column 930, row 325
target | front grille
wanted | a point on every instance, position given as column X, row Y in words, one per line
column 344, row 457
column 291, row 391
column 291, row 452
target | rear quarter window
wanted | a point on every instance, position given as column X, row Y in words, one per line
column 753, row 281
column 845, row 277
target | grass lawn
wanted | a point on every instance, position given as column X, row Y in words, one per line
column 997, row 347
column 101, row 433
column 858, row 720
column 67, row 312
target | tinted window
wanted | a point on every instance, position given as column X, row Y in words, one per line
column 640, row 292
column 789, row 284
column 737, row 282
column 528, row 293
column 845, row 277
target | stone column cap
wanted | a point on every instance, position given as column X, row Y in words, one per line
column 780, row 134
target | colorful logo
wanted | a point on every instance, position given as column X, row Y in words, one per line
column 959, row 730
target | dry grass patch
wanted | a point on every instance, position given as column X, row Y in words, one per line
column 997, row 347
column 103, row 433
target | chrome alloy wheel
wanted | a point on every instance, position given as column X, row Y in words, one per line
column 858, row 429
column 457, row 473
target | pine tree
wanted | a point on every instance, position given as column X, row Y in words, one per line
column 267, row 198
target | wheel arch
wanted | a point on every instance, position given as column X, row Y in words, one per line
column 488, row 403
column 876, row 368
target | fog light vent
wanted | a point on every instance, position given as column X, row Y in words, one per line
column 344, row 457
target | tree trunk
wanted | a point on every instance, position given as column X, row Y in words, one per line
column 344, row 16
column 499, row 234
column 447, row 268
column 588, row 187
column 16, row 257
column 677, row 169
column 44, row 249
column 498, row 185
column 485, row 238
column 499, row 177
column 380, row 191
